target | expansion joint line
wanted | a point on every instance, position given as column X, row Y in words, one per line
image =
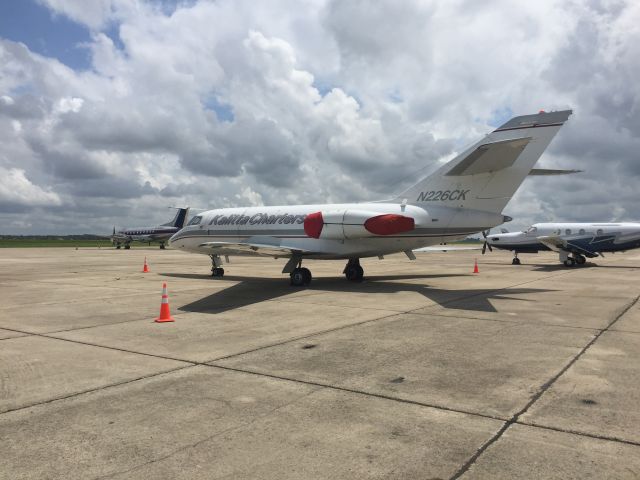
column 516, row 417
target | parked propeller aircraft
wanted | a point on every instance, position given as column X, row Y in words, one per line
column 161, row 233
column 580, row 240
column 464, row 196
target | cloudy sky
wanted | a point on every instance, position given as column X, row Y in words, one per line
column 112, row 110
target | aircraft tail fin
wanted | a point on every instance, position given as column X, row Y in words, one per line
column 486, row 175
column 180, row 219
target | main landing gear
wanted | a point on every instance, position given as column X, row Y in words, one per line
column 516, row 260
column 353, row 271
column 300, row 277
column 576, row 259
column 161, row 245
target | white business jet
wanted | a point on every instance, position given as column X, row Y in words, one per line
column 464, row 196
column 573, row 241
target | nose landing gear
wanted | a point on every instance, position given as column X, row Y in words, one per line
column 216, row 269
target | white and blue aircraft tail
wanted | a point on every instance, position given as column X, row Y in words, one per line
column 574, row 242
column 464, row 196
column 161, row 233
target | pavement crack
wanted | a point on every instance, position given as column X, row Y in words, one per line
column 355, row 391
column 207, row 438
column 541, row 391
column 96, row 389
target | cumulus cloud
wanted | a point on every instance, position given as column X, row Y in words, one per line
column 241, row 103
column 17, row 192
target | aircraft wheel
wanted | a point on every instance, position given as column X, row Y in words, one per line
column 299, row 277
column 569, row 262
column 354, row 273
column 580, row 260
column 118, row 247
column 515, row 261
column 162, row 246
column 127, row 247
column 217, row 272
column 307, row 275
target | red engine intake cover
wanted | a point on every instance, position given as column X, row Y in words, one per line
column 313, row 224
column 388, row 224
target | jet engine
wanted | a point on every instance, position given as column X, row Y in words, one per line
column 350, row 224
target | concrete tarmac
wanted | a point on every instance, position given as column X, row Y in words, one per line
column 423, row 371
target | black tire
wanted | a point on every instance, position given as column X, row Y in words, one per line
column 354, row 273
column 298, row 277
column 118, row 247
column 162, row 246
column 569, row 262
column 127, row 247
column 580, row 260
column 307, row 275
column 217, row 272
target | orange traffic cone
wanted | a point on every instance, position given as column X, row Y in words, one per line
column 145, row 267
column 475, row 267
column 165, row 315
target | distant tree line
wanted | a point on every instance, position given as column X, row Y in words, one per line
column 84, row 236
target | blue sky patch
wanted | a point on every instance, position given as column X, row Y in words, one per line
column 500, row 116
column 42, row 32
column 223, row 111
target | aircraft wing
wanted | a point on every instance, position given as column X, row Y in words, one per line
column 554, row 242
column 557, row 244
column 446, row 248
column 267, row 246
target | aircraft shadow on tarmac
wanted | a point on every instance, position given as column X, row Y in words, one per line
column 249, row 291
column 588, row 265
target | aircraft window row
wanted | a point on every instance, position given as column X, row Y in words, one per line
column 195, row 220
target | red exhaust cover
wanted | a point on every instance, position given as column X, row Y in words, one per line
column 313, row 224
column 388, row 224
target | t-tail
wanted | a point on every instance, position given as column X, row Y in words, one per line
column 485, row 176
column 180, row 219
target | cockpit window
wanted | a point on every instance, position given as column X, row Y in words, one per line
column 195, row 220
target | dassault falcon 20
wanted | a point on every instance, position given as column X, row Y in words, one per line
column 464, row 196
column 573, row 241
column 161, row 233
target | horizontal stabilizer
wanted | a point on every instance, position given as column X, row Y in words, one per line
column 551, row 171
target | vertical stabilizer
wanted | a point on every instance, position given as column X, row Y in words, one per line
column 180, row 219
column 486, row 175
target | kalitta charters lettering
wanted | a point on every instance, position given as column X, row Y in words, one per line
column 257, row 219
